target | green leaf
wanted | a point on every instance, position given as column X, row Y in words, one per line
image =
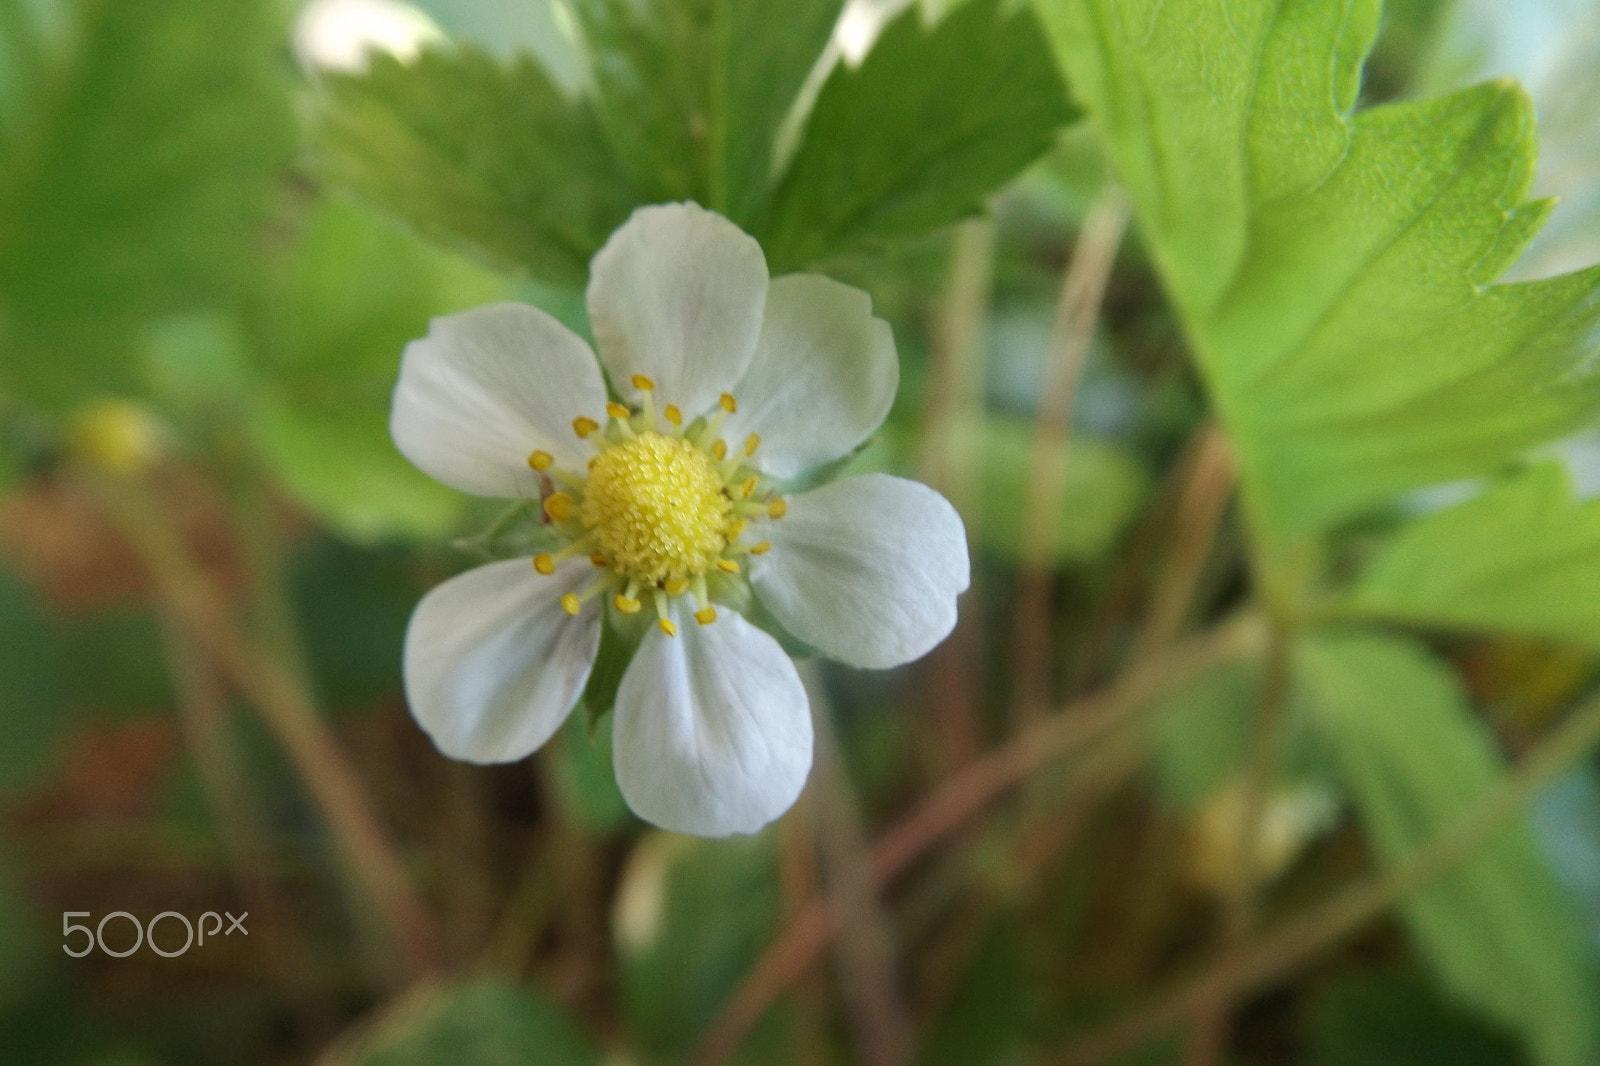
column 1496, row 930
column 480, row 1022
column 30, row 690
column 1396, row 1019
column 1202, row 733
column 1333, row 268
column 479, row 155
column 1524, row 556
column 139, row 144
column 933, row 121
column 585, row 778
column 340, row 311
column 692, row 92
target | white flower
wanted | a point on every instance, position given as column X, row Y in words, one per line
column 671, row 504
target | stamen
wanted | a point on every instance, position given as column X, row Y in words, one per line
column 642, row 383
column 719, row 450
column 647, row 405
column 627, row 601
column 672, row 414
column 597, row 559
column 727, row 566
column 583, row 425
column 540, row 460
column 778, row 508
column 622, row 416
column 735, row 528
column 751, row 443
column 675, row 586
column 544, row 563
column 729, row 404
column 761, row 548
column 706, row 615
column 667, row 625
column 558, row 505
column 748, row 489
column 570, row 604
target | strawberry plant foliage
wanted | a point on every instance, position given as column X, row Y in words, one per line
column 1335, row 267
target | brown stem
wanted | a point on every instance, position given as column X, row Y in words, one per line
column 1077, row 311
column 1252, row 966
column 192, row 600
column 961, row 796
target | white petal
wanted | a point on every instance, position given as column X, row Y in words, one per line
column 676, row 294
column 823, row 376
column 865, row 570
column 713, row 729
column 492, row 662
column 486, row 387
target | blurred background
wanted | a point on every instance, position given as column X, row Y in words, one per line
column 215, row 240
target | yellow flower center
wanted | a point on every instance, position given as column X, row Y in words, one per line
column 657, row 508
column 661, row 508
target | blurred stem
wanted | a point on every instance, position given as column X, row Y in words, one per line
column 192, row 600
column 959, row 798
column 1203, row 494
column 1077, row 312
column 953, row 414
column 1210, row 1035
column 1254, row 965
column 866, row 952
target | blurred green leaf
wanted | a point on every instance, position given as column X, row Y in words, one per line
column 585, row 778
column 933, row 121
column 138, row 148
column 339, row 313
column 21, row 946
column 989, row 1019
column 1497, row 930
column 1203, row 731
column 30, row 689
column 1523, row 556
column 1102, row 487
column 692, row 92
column 1396, row 1019
column 479, row 1022
column 478, row 155
column 693, row 915
column 354, row 604
column 1334, row 268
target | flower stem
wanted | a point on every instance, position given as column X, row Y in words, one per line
column 191, row 599
column 1249, row 967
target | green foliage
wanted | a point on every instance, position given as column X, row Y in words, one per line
column 691, row 101
column 1395, row 1019
column 30, row 689
column 138, row 148
column 1203, row 732
column 1334, row 269
column 481, row 1022
column 692, row 92
column 584, row 777
column 931, row 122
column 695, row 915
column 1496, row 929
column 338, row 313
column 990, row 1018
column 1524, row 556
column 487, row 157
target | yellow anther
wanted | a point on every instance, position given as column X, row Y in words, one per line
column 720, row 450
column 597, row 559
column 706, row 615
column 668, row 627
column 583, row 425
column 729, row 404
column 544, row 563
column 748, row 489
column 626, row 605
column 751, row 443
column 778, row 508
column 762, row 548
column 541, row 460
column 558, row 505
column 592, row 460
column 727, row 566
column 673, row 415
column 642, row 383
column 618, row 411
column 675, row 586
column 570, row 603
column 735, row 528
